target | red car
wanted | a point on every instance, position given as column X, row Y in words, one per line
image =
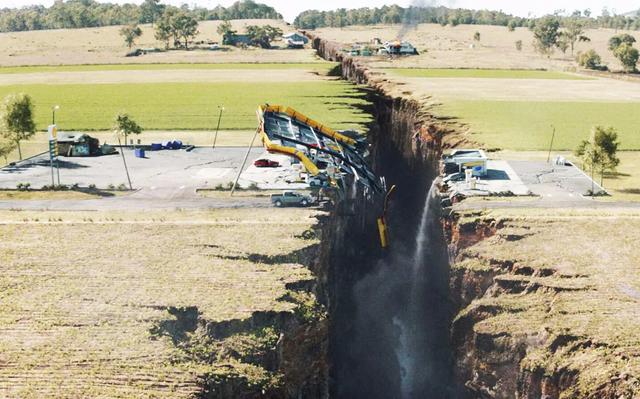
column 266, row 163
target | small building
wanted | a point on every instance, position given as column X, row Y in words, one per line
column 459, row 160
column 397, row 48
column 295, row 40
column 77, row 145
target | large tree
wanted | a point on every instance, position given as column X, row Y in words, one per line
column 262, row 36
column 185, row 27
column 545, row 34
column 599, row 153
column 623, row 50
column 618, row 40
column 150, row 11
column 573, row 31
column 628, row 56
column 164, row 30
column 16, row 119
column 130, row 33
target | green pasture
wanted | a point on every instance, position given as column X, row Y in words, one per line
column 191, row 106
column 314, row 66
column 482, row 73
column 526, row 125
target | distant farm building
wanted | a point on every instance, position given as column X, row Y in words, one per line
column 234, row 39
column 295, row 40
column 398, row 48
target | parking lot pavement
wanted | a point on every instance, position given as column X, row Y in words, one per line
column 554, row 182
column 284, row 177
column 164, row 174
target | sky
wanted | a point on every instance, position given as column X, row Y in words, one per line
column 290, row 9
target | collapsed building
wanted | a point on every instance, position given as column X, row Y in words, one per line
column 333, row 156
column 336, row 158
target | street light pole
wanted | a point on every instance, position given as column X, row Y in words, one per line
column 553, row 136
column 215, row 138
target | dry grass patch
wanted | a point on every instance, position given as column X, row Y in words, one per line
column 105, row 46
column 81, row 294
column 454, row 47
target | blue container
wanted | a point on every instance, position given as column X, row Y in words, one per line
column 156, row 146
column 139, row 152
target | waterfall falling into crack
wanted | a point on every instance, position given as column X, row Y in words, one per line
column 410, row 322
column 396, row 345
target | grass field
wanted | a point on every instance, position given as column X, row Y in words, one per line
column 480, row 73
column 314, row 66
column 526, row 125
column 190, row 106
column 78, row 320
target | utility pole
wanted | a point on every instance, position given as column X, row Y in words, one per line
column 215, row 138
column 553, row 135
column 124, row 161
column 244, row 162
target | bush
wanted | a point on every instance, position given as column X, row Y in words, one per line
column 519, row 45
column 628, row 56
column 253, row 186
column 219, row 187
column 591, row 60
column 92, row 186
column 122, row 187
column 111, row 187
column 476, row 36
column 23, row 186
column 230, row 186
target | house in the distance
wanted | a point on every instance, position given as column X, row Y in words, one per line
column 295, row 40
column 234, row 39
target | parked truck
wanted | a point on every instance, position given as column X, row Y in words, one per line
column 291, row 198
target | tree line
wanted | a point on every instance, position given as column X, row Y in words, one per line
column 71, row 14
column 313, row 19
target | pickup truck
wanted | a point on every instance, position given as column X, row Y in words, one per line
column 293, row 198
